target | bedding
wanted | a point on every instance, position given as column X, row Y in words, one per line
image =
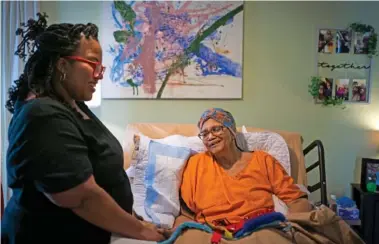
column 315, row 227
column 267, row 141
column 158, row 169
column 134, row 150
column 321, row 225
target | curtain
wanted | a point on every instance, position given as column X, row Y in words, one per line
column 13, row 13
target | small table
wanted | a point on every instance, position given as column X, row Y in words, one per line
column 368, row 205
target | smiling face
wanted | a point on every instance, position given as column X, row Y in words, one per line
column 80, row 82
column 216, row 137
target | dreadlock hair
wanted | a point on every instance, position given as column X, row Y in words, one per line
column 44, row 45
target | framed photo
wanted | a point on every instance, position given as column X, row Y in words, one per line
column 325, row 89
column 345, row 74
column 343, row 41
column 326, row 40
column 342, row 88
column 359, row 90
column 369, row 172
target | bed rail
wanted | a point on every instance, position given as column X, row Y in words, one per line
column 320, row 163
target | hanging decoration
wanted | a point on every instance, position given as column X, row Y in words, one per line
column 314, row 89
column 344, row 61
column 372, row 39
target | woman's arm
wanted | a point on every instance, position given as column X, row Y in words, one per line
column 284, row 187
column 185, row 216
column 88, row 198
column 187, row 191
column 300, row 205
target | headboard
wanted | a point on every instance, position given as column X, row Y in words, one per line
column 161, row 130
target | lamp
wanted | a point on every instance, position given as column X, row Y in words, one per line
column 96, row 98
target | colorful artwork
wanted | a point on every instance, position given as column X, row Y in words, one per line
column 172, row 50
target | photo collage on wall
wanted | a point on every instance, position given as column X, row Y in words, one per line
column 353, row 90
column 342, row 41
column 342, row 65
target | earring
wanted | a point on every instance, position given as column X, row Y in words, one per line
column 63, row 77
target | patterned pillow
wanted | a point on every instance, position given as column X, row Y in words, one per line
column 157, row 176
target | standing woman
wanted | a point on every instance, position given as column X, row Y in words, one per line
column 64, row 166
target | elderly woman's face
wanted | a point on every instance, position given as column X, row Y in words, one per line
column 216, row 137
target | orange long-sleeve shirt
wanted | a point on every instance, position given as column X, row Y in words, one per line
column 210, row 192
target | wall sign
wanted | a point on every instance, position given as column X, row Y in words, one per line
column 344, row 61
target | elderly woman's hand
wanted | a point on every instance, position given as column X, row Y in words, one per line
column 300, row 205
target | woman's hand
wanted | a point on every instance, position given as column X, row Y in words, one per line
column 167, row 232
column 300, row 205
column 150, row 233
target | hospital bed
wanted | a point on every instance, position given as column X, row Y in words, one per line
column 294, row 141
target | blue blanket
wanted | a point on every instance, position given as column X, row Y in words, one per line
column 185, row 226
column 264, row 221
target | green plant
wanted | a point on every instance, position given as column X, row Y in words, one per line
column 314, row 86
column 373, row 39
column 313, row 89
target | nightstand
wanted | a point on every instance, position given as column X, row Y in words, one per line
column 368, row 205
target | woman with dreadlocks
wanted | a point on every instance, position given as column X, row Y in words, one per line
column 64, row 167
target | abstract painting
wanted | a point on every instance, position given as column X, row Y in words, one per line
column 172, row 49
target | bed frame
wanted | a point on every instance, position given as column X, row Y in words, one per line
column 320, row 163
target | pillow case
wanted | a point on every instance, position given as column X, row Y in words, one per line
column 157, row 176
column 267, row 141
column 130, row 146
column 136, row 145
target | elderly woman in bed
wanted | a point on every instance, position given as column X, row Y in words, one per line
column 226, row 184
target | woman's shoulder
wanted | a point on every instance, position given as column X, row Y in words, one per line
column 261, row 153
column 199, row 158
column 198, row 161
column 262, row 157
column 40, row 108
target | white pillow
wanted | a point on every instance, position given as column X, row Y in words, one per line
column 158, row 174
column 130, row 146
column 267, row 141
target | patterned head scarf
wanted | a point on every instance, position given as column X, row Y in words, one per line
column 220, row 115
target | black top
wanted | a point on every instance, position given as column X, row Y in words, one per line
column 52, row 149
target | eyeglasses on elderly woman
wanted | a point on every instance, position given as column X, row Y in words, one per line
column 215, row 130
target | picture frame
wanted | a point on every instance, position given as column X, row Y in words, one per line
column 337, row 61
column 369, row 171
column 189, row 50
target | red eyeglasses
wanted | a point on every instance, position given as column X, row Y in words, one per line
column 98, row 68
